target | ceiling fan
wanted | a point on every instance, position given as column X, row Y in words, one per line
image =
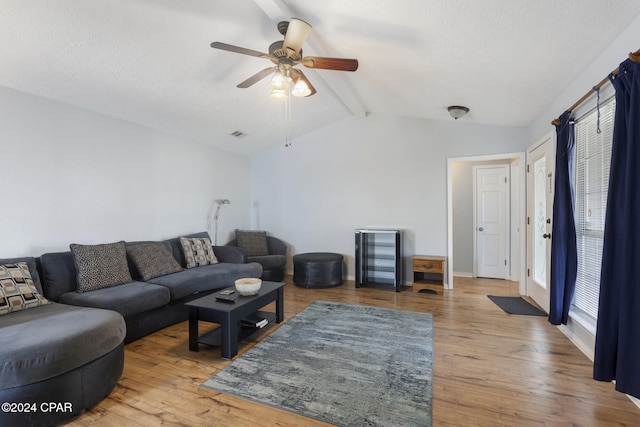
column 286, row 54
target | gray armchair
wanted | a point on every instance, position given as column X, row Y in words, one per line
column 268, row 251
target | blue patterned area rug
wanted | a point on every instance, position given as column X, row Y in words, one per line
column 348, row 365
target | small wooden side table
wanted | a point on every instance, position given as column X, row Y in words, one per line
column 432, row 264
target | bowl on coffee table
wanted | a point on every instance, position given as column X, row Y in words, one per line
column 248, row 286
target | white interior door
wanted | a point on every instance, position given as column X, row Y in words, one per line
column 540, row 188
column 491, row 221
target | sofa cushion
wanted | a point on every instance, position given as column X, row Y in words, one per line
column 197, row 251
column 52, row 339
column 58, row 274
column 130, row 298
column 230, row 254
column 152, row 259
column 33, row 269
column 253, row 242
column 206, row 278
column 100, row 266
column 17, row 290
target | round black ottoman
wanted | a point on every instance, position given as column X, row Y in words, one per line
column 317, row 269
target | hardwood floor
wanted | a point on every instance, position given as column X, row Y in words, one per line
column 490, row 369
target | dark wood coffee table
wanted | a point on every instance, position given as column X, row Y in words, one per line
column 228, row 315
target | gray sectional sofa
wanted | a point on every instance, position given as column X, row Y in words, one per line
column 70, row 350
column 152, row 304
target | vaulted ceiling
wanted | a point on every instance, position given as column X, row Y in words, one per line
column 150, row 61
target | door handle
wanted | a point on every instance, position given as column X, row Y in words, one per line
column 480, row 229
column 546, row 236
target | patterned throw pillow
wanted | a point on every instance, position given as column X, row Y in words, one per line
column 198, row 251
column 100, row 266
column 253, row 242
column 17, row 290
column 152, row 259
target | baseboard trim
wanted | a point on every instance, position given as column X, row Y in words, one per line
column 585, row 340
column 462, row 274
column 576, row 335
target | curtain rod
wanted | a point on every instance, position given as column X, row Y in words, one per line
column 634, row 56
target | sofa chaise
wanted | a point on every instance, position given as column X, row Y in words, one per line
column 56, row 353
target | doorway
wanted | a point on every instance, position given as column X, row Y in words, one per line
column 540, row 189
column 515, row 162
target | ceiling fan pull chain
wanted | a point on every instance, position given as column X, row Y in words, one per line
column 287, row 122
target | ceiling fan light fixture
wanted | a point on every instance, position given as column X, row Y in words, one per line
column 279, row 81
column 301, row 89
column 297, row 33
column 279, row 94
column 457, row 111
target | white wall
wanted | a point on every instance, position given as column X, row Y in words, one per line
column 379, row 171
column 462, row 218
column 70, row 175
column 605, row 63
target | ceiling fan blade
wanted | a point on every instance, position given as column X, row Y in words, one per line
column 340, row 64
column 299, row 75
column 236, row 49
column 297, row 33
column 256, row 77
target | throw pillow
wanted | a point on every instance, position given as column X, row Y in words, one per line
column 17, row 290
column 198, row 251
column 253, row 242
column 152, row 259
column 100, row 266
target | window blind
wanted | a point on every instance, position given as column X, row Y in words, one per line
column 591, row 179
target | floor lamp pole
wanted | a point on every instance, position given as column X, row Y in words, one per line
column 215, row 219
column 220, row 202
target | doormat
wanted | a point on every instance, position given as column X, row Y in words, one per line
column 348, row 365
column 516, row 305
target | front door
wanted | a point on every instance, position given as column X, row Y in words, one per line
column 491, row 221
column 540, row 170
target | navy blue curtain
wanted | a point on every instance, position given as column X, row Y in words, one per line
column 617, row 353
column 564, row 258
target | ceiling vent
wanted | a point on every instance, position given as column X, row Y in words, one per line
column 238, row 134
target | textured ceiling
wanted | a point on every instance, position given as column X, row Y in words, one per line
column 149, row 61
